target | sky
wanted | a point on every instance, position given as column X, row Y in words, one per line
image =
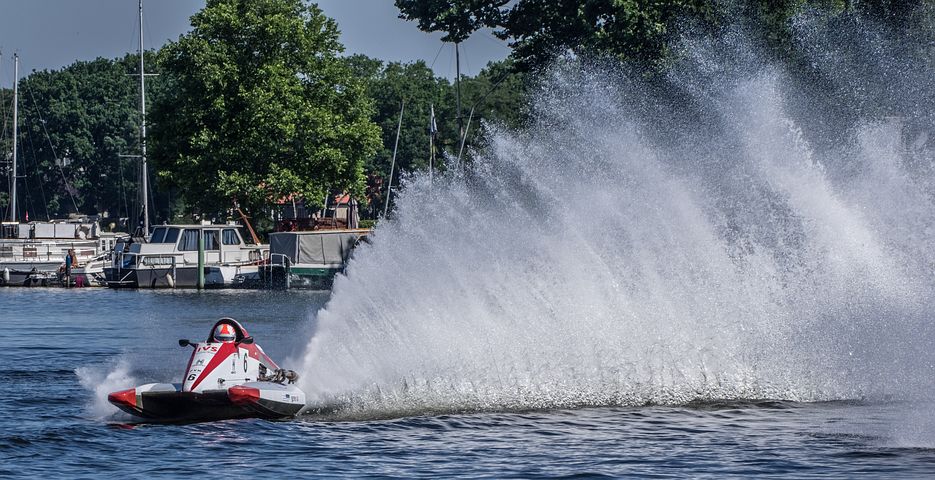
column 50, row 34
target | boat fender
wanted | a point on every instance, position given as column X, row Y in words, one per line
column 170, row 280
column 6, row 275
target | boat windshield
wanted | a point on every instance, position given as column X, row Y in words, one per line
column 164, row 235
column 172, row 235
column 159, row 235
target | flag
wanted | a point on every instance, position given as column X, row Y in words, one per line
column 433, row 128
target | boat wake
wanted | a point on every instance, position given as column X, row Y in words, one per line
column 722, row 233
column 101, row 380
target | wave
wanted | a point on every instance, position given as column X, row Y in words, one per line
column 648, row 241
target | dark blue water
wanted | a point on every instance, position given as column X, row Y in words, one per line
column 59, row 347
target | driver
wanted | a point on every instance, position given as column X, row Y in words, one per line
column 224, row 333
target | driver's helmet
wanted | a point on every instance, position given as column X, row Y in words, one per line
column 224, row 333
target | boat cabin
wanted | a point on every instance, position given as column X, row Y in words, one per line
column 178, row 245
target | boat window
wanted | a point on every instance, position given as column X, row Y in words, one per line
column 172, row 235
column 230, row 237
column 189, row 240
column 212, row 242
column 9, row 231
column 159, row 235
column 128, row 261
column 151, row 261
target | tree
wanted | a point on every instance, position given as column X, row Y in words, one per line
column 634, row 30
column 74, row 125
column 389, row 84
column 498, row 95
column 6, row 102
column 457, row 18
column 497, row 92
column 260, row 106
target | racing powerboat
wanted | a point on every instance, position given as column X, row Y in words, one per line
column 228, row 376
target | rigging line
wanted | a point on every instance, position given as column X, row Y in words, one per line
column 451, row 66
column 389, row 185
column 136, row 209
column 148, row 32
column 475, row 105
column 439, row 52
column 39, row 176
column 134, row 33
column 9, row 181
column 2, row 102
column 61, row 171
column 464, row 55
column 121, row 188
column 29, row 200
column 501, row 43
column 491, row 89
column 152, row 197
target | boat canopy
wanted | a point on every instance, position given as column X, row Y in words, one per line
column 325, row 247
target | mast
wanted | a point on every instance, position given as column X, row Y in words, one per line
column 389, row 184
column 433, row 130
column 13, row 216
column 458, row 88
column 143, row 132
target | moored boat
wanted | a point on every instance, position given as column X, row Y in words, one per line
column 38, row 249
column 169, row 259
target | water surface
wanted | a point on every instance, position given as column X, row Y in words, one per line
column 61, row 345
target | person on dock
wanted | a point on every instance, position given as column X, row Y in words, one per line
column 69, row 263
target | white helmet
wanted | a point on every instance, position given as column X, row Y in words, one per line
column 224, row 333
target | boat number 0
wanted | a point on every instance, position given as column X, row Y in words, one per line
column 244, row 364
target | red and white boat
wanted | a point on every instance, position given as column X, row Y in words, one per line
column 224, row 379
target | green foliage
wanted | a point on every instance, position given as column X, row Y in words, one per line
column 6, row 102
column 633, row 30
column 389, row 84
column 259, row 106
column 457, row 18
column 636, row 31
column 630, row 30
column 497, row 93
column 89, row 112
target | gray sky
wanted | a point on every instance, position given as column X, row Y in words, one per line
column 49, row 34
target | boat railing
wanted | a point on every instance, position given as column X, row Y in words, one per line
column 33, row 253
column 274, row 273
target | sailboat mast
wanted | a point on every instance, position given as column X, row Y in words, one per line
column 13, row 216
column 458, row 88
column 143, row 131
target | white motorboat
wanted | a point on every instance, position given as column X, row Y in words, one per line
column 228, row 376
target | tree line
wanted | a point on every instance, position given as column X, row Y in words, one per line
column 258, row 103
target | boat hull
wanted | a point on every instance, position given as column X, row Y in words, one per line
column 165, row 402
column 180, row 277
